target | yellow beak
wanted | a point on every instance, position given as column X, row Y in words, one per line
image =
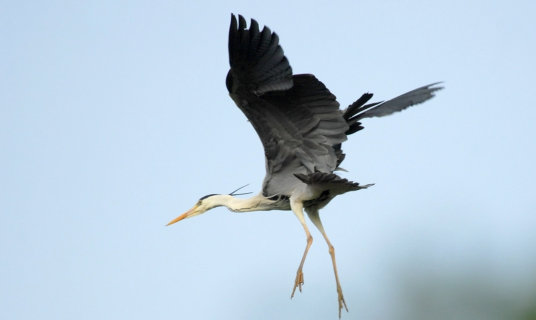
column 183, row 216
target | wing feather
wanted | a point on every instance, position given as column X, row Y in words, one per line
column 399, row 103
column 296, row 117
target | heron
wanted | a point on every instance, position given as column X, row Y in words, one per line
column 301, row 128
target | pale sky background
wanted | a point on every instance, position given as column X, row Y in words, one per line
column 115, row 119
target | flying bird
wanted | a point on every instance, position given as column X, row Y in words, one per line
column 301, row 128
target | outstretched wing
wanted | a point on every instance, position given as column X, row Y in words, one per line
column 296, row 117
column 389, row 107
column 358, row 110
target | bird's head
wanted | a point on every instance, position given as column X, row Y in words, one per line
column 208, row 202
column 203, row 205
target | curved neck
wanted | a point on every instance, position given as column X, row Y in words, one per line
column 255, row 203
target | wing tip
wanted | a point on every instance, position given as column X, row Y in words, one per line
column 434, row 89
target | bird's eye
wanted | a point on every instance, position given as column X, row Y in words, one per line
column 199, row 202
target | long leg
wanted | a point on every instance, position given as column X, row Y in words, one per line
column 297, row 208
column 315, row 218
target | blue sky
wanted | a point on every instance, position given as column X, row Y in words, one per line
column 114, row 119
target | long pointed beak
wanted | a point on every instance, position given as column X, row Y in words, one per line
column 182, row 216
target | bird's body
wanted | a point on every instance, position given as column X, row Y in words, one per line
column 301, row 128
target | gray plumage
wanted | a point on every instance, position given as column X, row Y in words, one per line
column 301, row 128
column 297, row 118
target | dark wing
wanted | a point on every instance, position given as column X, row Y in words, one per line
column 296, row 117
column 408, row 99
column 358, row 110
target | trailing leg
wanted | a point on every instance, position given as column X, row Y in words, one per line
column 315, row 218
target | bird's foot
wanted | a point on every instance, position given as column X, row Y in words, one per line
column 342, row 303
column 298, row 282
